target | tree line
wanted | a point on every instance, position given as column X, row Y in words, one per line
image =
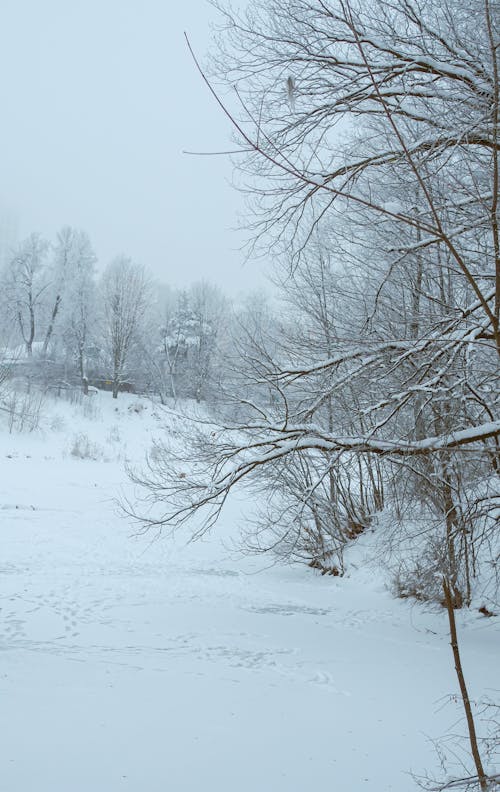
column 63, row 323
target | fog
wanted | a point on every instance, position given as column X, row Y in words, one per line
column 99, row 98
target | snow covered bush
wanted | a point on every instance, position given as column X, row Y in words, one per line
column 22, row 404
column 84, row 448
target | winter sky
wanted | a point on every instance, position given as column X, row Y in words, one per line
column 98, row 99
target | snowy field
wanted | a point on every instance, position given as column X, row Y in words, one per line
column 160, row 666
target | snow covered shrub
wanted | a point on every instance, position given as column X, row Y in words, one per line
column 84, row 448
column 311, row 518
column 71, row 394
column 90, row 409
column 57, row 423
column 445, row 514
column 23, row 407
column 137, row 407
column 114, row 434
column 418, row 579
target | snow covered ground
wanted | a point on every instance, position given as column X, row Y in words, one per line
column 141, row 666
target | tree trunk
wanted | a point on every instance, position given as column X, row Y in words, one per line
column 50, row 328
column 482, row 778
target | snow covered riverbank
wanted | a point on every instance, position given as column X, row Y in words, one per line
column 139, row 665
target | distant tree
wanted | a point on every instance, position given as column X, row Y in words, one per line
column 72, row 265
column 192, row 326
column 79, row 310
column 209, row 310
column 125, row 296
column 25, row 286
column 175, row 339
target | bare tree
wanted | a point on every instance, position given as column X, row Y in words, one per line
column 125, row 300
column 25, row 287
column 79, row 310
column 408, row 198
column 70, row 275
column 417, row 122
column 209, row 309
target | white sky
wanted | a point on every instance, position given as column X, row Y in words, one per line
column 98, row 98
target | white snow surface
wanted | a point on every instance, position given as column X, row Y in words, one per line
column 134, row 665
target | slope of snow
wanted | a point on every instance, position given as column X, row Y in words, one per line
column 145, row 666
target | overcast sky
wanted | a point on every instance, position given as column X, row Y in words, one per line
column 98, row 99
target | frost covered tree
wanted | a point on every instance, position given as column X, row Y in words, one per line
column 176, row 336
column 315, row 507
column 25, row 286
column 71, row 267
column 374, row 126
column 125, row 297
column 191, row 330
column 209, row 311
column 407, row 196
column 79, row 309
